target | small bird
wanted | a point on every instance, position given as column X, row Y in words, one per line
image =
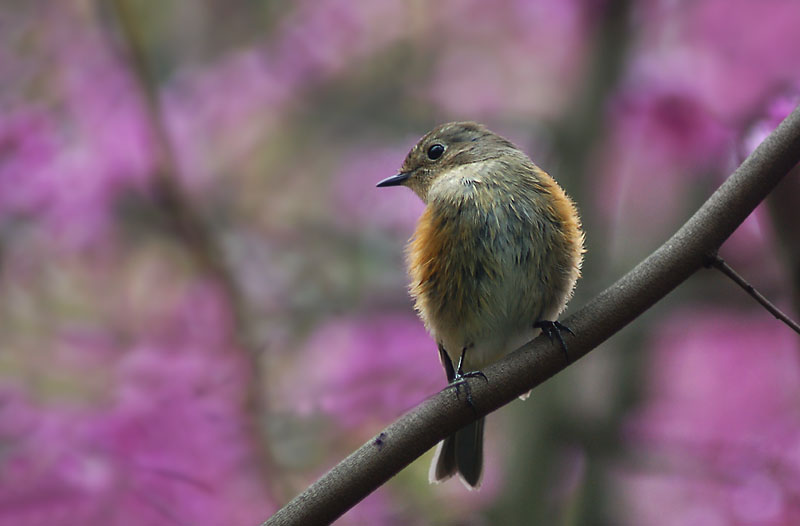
column 493, row 261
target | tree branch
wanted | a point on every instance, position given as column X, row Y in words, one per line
column 442, row 414
column 720, row 264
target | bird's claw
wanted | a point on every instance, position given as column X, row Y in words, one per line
column 554, row 328
column 461, row 377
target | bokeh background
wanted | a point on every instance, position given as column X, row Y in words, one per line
column 203, row 300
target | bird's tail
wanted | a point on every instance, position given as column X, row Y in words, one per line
column 460, row 453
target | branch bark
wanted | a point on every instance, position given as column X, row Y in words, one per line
column 442, row 414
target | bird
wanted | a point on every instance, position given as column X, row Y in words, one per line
column 493, row 261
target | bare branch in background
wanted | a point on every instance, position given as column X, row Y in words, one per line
column 188, row 224
column 720, row 264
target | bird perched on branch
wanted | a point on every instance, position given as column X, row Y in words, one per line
column 493, row 261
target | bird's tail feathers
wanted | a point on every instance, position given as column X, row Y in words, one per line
column 462, row 454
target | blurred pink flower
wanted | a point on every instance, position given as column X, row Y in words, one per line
column 713, row 49
column 698, row 72
column 216, row 116
column 748, row 244
column 111, row 135
column 320, row 38
column 363, row 370
column 46, row 180
column 360, row 204
column 201, row 315
column 65, row 161
column 180, row 437
column 78, row 159
column 29, row 146
column 777, row 108
column 507, row 57
column 657, row 140
column 174, row 447
column 718, row 436
column 377, row 508
column 173, row 441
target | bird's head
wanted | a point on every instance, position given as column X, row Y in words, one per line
column 445, row 148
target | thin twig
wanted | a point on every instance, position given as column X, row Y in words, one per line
column 441, row 415
column 720, row 264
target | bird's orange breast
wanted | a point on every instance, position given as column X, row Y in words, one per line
column 450, row 265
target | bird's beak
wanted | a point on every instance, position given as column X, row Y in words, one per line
column 395, row 180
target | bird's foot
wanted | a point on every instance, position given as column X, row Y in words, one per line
column 460, row 379
column 554, row 328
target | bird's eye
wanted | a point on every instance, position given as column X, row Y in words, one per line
column 435, row 151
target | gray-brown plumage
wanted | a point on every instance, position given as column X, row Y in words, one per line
column 498, row 249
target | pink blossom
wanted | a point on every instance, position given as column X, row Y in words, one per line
column 776, row 109
column 320, row 38
column 30, row 147
column 171, row 439
column 718, row 434
column 755, row 237
column 698, row 71
column 362, row 370
column 218, row 114
column 713, row 49
column 358, row 202
column 173, row 447
column 746, row 247
column 65, row 169
column 377, row 508
column 658, row 141
column 503, row 59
